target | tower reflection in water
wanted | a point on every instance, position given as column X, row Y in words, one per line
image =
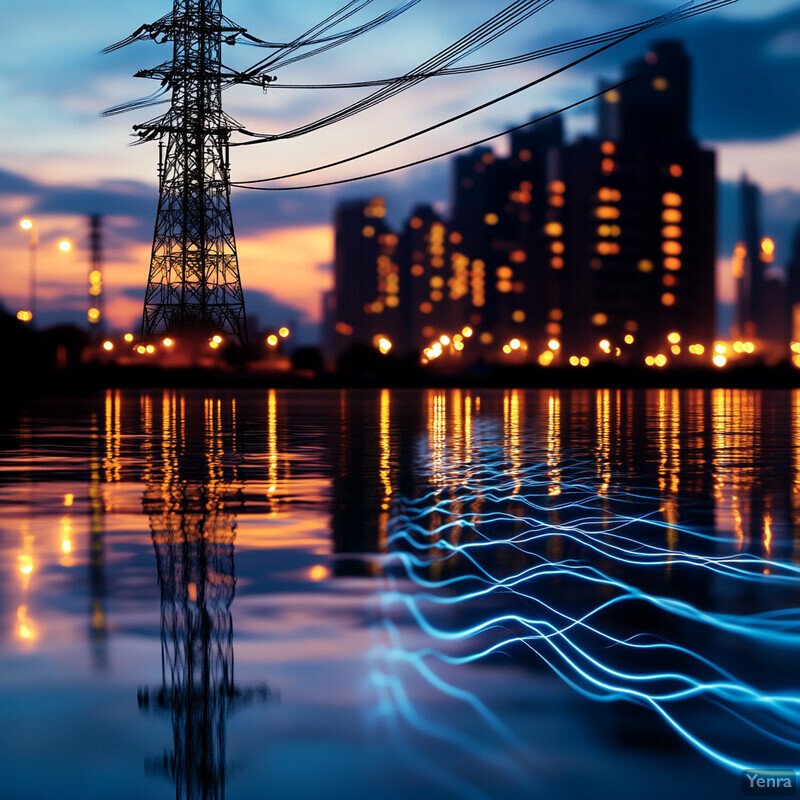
column 192, row 510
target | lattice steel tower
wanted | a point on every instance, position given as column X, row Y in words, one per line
column 194, row 284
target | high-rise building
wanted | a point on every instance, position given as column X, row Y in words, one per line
column 498, row 208
column 425, row 280
column 747, row 265
column 793, row 286
column 655, row 105
column 366, row 298
column 569, row 253
column 632, row 220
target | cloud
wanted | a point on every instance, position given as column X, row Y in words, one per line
column 773, row 164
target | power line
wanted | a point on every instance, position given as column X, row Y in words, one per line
column 453, row 151
column 574, row 44
column 486, row 32
column 442, row 123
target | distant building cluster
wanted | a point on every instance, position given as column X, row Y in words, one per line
column 767, row 306
column 561, row 253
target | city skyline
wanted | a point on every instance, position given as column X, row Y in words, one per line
column 290, row 234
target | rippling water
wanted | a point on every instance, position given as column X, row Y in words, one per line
column 439, row 594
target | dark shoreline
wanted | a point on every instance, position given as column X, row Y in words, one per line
column 89, row 379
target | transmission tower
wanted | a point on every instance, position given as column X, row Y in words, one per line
column 193, row 531
column 193, row 286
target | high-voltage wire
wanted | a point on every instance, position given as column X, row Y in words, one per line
column 625, row 33
column 336, row 40
column 440, row 124
column 345, row 12
column 453, row 151
column 502, row 22
column 545, row 52
column 284, row 57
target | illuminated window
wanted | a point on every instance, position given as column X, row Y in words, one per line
column 557, row 247
column 416, row 223
column 504, row 287
column 437, row 282
column 417, row 270
column 557, row 187
column 660, row 84
column 668, row 299
column 608, row 148
column 645, row 265
column 456, row 238
column 426, row 307
column 676, row 170
column 608, row 195
column 606, row 212
column 557, row 262
column 669, row 280
column 368, row 231
column 505, row 273
column 608, row 165
column 672, row 248
column 525, row 155
column 600, row 319
column 518, row 256
column 556, row 314
column 612, row 96
column 491, row 219
column 672, row 263
column 556, row 200
column 672, row 215
column 554, row 229
column 672, row 232
column 672, row 199
column 518, row 316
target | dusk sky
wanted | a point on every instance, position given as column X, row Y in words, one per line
column 62, row 160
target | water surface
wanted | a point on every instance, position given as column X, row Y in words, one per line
column 427, row 594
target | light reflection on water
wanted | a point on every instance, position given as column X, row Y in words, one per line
column 443, row 593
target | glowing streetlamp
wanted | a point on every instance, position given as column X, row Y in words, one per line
column 28, row 225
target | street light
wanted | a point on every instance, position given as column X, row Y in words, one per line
column 28, row 225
